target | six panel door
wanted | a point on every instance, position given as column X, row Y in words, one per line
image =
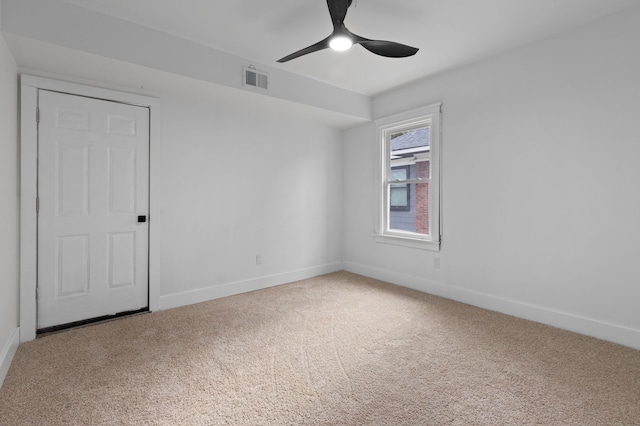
column 93, row 183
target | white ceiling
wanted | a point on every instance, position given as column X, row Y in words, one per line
column 449, row 33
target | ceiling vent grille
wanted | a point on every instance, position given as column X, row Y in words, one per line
column 255, row 78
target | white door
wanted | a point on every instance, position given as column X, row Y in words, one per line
column 93, row 196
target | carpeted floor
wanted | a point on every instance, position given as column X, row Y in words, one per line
column 339, row 349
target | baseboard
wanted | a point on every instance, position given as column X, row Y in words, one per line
column 586, row 326
column 229, row 289
column 7, row 353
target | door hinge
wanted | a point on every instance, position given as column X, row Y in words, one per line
column 37, row 115
column 37, row 204
column 37, row 293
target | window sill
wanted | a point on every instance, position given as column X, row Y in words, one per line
column 407, row 242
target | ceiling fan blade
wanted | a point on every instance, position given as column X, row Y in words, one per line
column 390, row 49
column 338, row 11
column 313, row 48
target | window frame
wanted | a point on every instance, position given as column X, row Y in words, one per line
column 430, row 115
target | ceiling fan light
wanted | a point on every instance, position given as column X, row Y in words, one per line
column 340, row 43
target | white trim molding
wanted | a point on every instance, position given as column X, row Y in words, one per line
column 587, row 326
column 29, row 86
column 7, row 353
column 230, row 289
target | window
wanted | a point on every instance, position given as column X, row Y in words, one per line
column 409, row 184
column 399, row 192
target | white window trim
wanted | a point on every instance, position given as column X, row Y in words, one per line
column 429, row 114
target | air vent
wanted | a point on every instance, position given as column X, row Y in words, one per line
column 255, row 78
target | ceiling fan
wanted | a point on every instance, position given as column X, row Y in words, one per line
column 342, row 39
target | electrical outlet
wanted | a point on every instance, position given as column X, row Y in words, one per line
column 258, row 259
column 436, row 263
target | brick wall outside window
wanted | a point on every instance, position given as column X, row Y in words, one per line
column 422, row 199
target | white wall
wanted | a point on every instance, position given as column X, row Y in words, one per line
column 240, row 177
column 8, row 207
column 238, row 180
column 237, row 183
column 540, row 183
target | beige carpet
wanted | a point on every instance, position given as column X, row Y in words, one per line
column 334, row 350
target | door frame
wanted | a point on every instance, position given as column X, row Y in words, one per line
column 29, row 86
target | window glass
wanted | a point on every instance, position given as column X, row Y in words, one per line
column 408, row 152
column 409, row 201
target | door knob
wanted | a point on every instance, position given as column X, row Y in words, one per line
column 142, row 219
